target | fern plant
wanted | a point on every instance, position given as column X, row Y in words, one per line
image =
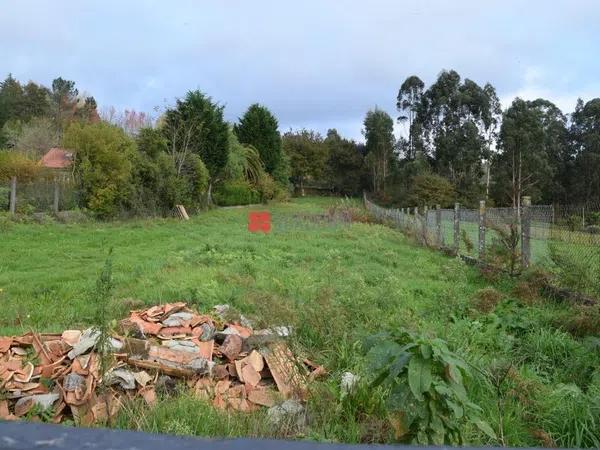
column 425, row 380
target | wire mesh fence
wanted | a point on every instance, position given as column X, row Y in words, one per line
column 39, row 196
column 564, row 239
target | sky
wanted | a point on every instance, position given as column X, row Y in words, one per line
column 316, row 64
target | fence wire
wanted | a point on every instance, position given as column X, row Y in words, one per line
column 557, row 237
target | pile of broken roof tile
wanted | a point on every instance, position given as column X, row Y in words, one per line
column 223, row 362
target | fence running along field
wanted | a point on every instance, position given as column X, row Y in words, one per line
column 556, row 237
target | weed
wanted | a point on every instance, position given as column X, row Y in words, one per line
column 427, row 394
column 486, row 299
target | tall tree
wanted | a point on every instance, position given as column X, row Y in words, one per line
column 36, row 100
column 456, row 119
column 523, row 165
column 307, row 153
column 585, row 132
column 11, row 100
column 407, row 102
column 345, row 164
column 258, row 127
column 196, row 125
column 198, row 137
column 64, row 101
column 379, row 134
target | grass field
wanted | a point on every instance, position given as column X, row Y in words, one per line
column 335, row 284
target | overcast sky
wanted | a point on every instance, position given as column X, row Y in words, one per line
column 315, row 63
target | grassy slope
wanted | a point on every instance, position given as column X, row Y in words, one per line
column 334, row 284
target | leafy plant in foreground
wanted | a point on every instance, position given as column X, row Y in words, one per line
column 427, row 395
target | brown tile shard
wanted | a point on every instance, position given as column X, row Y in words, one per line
column 286, row 370
column 5, row 343
column 243, row 331
column 256, row 360
column 149, row 395
column 231, row 347
column 206, row 348
column 220, row 371
column 263, row 397
column 251, row 376
column 71, row 337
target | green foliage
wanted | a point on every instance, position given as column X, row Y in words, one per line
column 13, row 164
column 430, row 190
column 426, row 388
column 585, row 135
column 243, row 161
column 574, row 415
column 346, row 170
column 379, row 135
column 530, row 134
column 307, row 153
column 102, row 318
column 572, row 271
column 237, row 192
column 196, row 125
column 103, row 155
column 258, row 127
column 4, row 198
column 283, row 171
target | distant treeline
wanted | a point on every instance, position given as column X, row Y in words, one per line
column 459, row 146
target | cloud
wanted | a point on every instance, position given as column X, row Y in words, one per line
column 319, row 64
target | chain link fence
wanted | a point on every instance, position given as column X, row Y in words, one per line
column 563, row 239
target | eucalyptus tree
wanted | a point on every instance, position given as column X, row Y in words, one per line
column 585, row 132
column 379, row 134
column 457, row 120
column 407, row 102
column 533, row 152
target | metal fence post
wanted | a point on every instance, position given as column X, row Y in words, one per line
column 525, row 232
column 481, row 230
column 456, row 228
column 438, row 225
column 13, row 195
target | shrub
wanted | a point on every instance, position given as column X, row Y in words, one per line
column 103, row 155
column 14, row 164
column 232, row 193
column 431, row 189
column 427, row 394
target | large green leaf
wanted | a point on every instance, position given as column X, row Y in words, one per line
column 419, row 376
column 485, row 427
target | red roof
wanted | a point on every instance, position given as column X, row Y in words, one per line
column 57, row 158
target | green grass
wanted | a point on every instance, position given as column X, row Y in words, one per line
column 335, row 284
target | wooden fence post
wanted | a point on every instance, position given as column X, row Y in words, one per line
column 438, row 226
column 525, row 232
column 456, row 228
column 481, row 230
column 56, row 196
column 13, row 195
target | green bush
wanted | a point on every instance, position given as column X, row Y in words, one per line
column 238, row 192
column 4, row 198
column 103, row 155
